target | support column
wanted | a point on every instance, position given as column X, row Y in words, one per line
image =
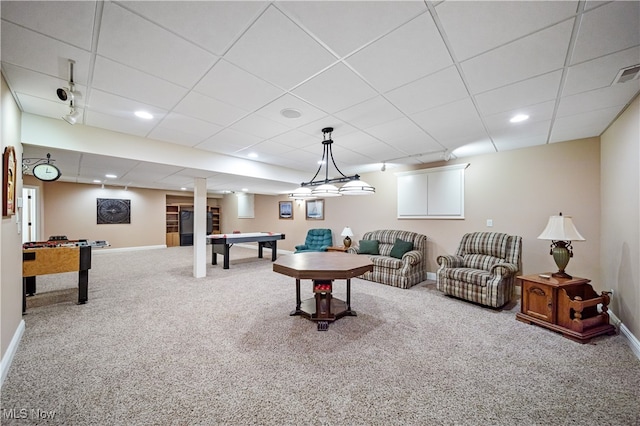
column 200, row 228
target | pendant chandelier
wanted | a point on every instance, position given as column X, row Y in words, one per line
column 326, row 187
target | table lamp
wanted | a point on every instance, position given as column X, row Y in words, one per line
column 561, row 231
column 347, row 233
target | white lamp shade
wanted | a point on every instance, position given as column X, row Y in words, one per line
column 560, row 228
column 357, row 187
column 302, row 193
column 346, row 232
column 326, row 190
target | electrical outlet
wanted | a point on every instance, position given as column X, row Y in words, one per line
column 489, row 223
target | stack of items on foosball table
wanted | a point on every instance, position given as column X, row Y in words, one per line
column 63, row 241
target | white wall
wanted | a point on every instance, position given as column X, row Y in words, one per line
column 620, row 235
column 10, row 240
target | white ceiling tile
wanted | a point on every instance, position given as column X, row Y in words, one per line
column 108, row 103
column 585, row 125
column 209, row 109
column 279, row 51
column 405, row 136
column 117, row 123
column 346, row 26
column 408, row 53
column 519, row 95
column 260, row 126
column 127, row 38
column 213, row 25
column 177, row 126
column 522, row 135
column 175, row 136
column 539, row 112
column 39, row 85
column 295, row 139
column 45, row 16
column 521, row 59
column 36, row 52
column 434, row 90
column 453, row 124
column 598, row 35
column 616, row 95
column 480, row 147
column 133, row 84
column 370, row 113
column 229, row 141
column 273, row 110
column 335, row 89
column 235, row 86
column 478, row 26
column 44, row 107
column 599, row 72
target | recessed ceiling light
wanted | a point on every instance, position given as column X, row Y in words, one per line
column 252, row 155
column 110, row 176
column 144, row 114
column 183, row 189
column 245, row 189
column 518, row 118
column 291, row 113
column 97, row 181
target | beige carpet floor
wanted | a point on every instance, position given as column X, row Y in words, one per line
column 155, row 346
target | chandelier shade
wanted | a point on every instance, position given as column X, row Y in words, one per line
column 326, row 187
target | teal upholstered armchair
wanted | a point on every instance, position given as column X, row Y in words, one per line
column 483, row 270
column 317, row 240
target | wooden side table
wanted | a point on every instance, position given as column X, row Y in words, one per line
column 342, row 249
column 568, row 306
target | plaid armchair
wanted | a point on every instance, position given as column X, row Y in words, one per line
column 483, row 270
column 404, row 271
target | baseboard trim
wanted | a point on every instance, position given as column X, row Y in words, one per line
column 7, row 359
column 632, row 340
column 114, row 250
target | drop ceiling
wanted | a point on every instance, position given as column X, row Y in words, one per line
column 401, row 82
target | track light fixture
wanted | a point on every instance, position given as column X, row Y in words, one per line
column 68, row 94
column 325, row 187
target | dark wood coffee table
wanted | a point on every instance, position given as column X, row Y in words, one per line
column 323, row 268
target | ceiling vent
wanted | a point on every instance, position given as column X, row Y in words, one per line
column 627, row 74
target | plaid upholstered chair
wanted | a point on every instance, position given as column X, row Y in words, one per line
column 483, row 270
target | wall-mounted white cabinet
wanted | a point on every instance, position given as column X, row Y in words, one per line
column 435, row 193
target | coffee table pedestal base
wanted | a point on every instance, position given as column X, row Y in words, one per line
column 323, row 308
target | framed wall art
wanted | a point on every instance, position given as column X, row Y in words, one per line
column 113, row 210
column 9, row 170
column 314, row 209
column 285, row 210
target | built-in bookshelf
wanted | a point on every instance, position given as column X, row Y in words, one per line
column 173, row 225
column 172, row 212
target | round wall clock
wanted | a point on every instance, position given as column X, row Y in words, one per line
column 46, row 172
column 111, row 210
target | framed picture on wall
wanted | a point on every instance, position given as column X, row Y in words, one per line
column 314, row 210
column 9, row 168
column 285, row 210
column 113, row 210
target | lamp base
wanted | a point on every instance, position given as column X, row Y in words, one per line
column 347, row 242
